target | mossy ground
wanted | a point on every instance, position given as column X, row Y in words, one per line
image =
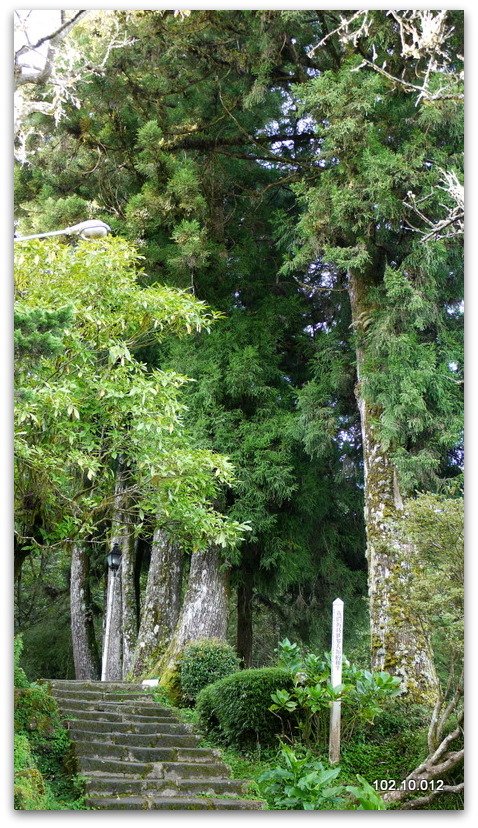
column 45, row 776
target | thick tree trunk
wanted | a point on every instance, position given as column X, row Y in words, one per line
column 244, row 621
column 399, row 642
column 161, row 603
column 85, row 654
column 204, row 610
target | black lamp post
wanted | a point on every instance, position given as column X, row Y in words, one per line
column 114, row 558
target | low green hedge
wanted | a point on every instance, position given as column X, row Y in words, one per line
column 204, row 662
column 235, row 709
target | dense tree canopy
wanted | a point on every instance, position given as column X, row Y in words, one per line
column 281, row 174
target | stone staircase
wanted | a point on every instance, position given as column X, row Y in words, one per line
column 136, row 755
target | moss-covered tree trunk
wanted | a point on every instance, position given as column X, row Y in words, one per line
column 161, row 603
column 398, row 641
column 85, row 653
column 204, row 610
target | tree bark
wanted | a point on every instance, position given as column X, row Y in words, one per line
column 161, row 603
column 85, row 654
column 399, row 642
column 245, row 595
column 143, row 549
column 120, row 628
column 20, row 554
column 204, row 610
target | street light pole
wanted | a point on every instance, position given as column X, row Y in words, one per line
column 114, row 563
column 90, row 229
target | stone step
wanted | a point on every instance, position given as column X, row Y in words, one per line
column 143, row 731
column 92, row 685
column 193, row 770
column 98, row 695
column 170, row 768
column 142, row 708
column 94, row 764
column 150, row 728
column 151, row 740
column 75, row 714
column 119, row 786
column 177, row 803
column 134, row 752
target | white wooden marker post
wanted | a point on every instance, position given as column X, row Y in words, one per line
column 336, row 678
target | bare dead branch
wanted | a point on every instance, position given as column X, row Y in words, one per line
column 423, row 801
column 54, row 38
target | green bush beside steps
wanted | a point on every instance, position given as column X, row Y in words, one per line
column 235, row 710
column 204, row 662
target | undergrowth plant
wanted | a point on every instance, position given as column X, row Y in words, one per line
column 301, row 782
column 44, row 767
column 363, row 693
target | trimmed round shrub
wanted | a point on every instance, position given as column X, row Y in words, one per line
column 204, row 662
column 235, row 710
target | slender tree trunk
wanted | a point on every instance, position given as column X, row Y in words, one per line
column 204, row 610
column 161, row 603
column 85, row 653
column 143, row 546
column 244, row 621
column 19, row 557
column 398, row 641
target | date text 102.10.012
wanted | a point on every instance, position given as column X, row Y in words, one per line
column 408, row 785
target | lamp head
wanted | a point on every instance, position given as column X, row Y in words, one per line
column 114, row 558
column 91, row 229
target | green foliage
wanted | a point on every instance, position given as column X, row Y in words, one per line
column 38, row 332
column 366, row 798
column 435, row 524
column 22, row 755
column 362, row 693
column 47, row 642
column 96, row 400
column 300, row 783
column 29, row 793
column 375, row 151
column 35, row 713
column 235, row 709
column 416, row 331
column 391, row 747
column 19, row 676
column 43, row 761
column 204, row 662
column 303, row 782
